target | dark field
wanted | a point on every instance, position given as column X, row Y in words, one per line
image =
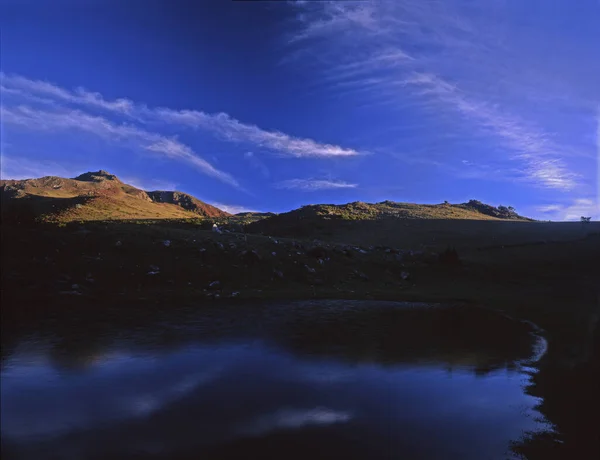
column 547, row 273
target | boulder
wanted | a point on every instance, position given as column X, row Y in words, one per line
column 214, row 285
column 250, row 257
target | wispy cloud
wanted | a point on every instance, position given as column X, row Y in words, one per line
column 223, row 125
column 571, row 211
column 19, row 167
column 257, row 164
column 149, row 184
column 312, row 185
column 429, row 56
column 35, row 119
column 233, row 208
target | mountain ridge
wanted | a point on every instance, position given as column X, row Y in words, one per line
column 99, row 195
column 95, row 195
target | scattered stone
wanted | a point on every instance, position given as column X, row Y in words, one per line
column 154, row 270
column 232, row 245
column 250, row 257
column 405, row 275
column 309, row 269
column 118, row 244
column 321, row 261
column 360, row 275
column 362, row 251
column 214, row 285
column 167, row 243
column 216, row 229
column 278, row 274
column 234, row 294
column 318, row 252
column 219, row 245
column 273, row 253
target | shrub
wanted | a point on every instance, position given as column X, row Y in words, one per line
column 449, row 257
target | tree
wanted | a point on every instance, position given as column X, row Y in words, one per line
column 585, row 220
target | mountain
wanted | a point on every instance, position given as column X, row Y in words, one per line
column 94, row 196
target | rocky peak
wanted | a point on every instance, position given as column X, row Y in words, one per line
column 97, row 176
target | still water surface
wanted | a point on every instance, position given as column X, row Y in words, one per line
column 318, row 379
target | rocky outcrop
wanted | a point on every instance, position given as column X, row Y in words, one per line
column 187, row 202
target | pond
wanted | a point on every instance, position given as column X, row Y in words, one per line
column 327, row 379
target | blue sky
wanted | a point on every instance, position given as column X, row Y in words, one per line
column 271, row 105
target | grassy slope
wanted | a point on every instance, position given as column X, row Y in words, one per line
column 95, row 197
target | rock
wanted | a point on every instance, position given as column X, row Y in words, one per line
column 360, row 275
column 362, row 251
column 166, row 243
column 216, row 229
column 234, row 294
column 250, row 257
column 118, row 244
column 405, row 275
column 232, row 245
column 273, row 253
column 153, row 270
column 214, row 285
column 321, row 261
column 277, row 274
column 318, row 252
column 309, row 269
column 219, row 245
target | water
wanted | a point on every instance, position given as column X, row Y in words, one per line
column 321, row 379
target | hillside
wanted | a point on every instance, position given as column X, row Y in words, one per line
column 306, row 220
column 187, row 202
column 94, row 196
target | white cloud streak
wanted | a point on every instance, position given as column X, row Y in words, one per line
column 362, row 51
column 571, row 211
column 18, row 167
column 224, row 126
column 66, row 120
column 233, row 208
column 312, row 185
